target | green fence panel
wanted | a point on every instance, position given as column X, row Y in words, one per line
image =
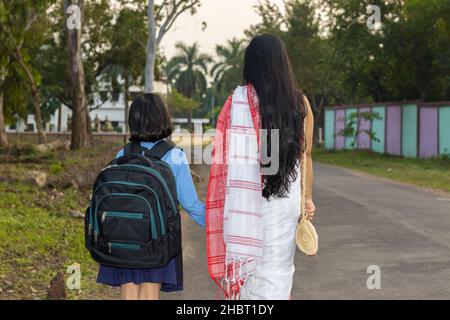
column 349, row 140
column 379, row 129
column 329, row 129
column 409, row 130
column 444, row 130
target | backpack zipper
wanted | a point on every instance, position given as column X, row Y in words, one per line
column 120, row 245
column 128, row 215
column 152, row 216
column 132, row 184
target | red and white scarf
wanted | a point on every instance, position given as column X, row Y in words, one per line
column 234, row 226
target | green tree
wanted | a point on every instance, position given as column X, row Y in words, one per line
column 211, row 103
column 189, row 69
column 180, row 105
column 272, row 20
column 406, row 59
column 127, row 53
column 353, row 124
column 3, row 136
column 23, row 25
column 160, row 18
column 418, row 47
column 309, row 54
column 4, row 59
column 79, row 105
column 94, row 43
column 359, row 51
column 227, row 71
column 16, row 94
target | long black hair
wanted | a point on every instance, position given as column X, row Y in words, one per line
column 149, row 119
column 268, row 69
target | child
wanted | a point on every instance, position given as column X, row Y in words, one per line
column 149, row 121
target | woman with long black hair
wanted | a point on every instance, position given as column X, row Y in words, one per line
column 253, row 205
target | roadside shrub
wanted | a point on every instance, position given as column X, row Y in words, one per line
column 55, row 168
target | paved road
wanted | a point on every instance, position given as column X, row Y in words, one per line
column 362, row 221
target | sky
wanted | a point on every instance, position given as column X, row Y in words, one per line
column 225, row 19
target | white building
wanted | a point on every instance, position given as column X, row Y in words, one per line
column 114, row 111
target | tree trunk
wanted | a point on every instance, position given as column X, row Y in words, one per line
column 59, row 118
column 190, row 118
column 320, row 110
column 445, row 89
column 89, row 126
column 3, row 136
column 35, row 97
column 126, row 101
column 151, row 48
column 317, row 115
column 80, row 132
column 423, row 95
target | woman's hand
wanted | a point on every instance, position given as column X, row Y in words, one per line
column 310, row 209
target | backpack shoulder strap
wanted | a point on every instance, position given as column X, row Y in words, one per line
column 132, row 148
column 160, row 149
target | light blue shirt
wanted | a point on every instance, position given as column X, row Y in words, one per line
column 187, row 195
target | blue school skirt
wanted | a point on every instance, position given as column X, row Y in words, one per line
column 170, row 276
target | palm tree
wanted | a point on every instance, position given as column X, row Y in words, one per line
column 189, row 69
column 227, row 72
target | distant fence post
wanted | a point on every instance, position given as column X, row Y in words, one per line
column 444, row 129
column 329, row 129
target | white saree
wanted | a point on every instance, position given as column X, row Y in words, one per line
column 250, row 240
column 280, row 218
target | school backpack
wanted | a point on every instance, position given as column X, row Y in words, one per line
column 133, row 220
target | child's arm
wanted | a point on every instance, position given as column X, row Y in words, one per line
column 187, row 195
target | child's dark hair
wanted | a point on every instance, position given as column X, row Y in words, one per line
column 149, row 119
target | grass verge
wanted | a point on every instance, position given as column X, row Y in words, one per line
column 429, row 173
column 38, row 236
